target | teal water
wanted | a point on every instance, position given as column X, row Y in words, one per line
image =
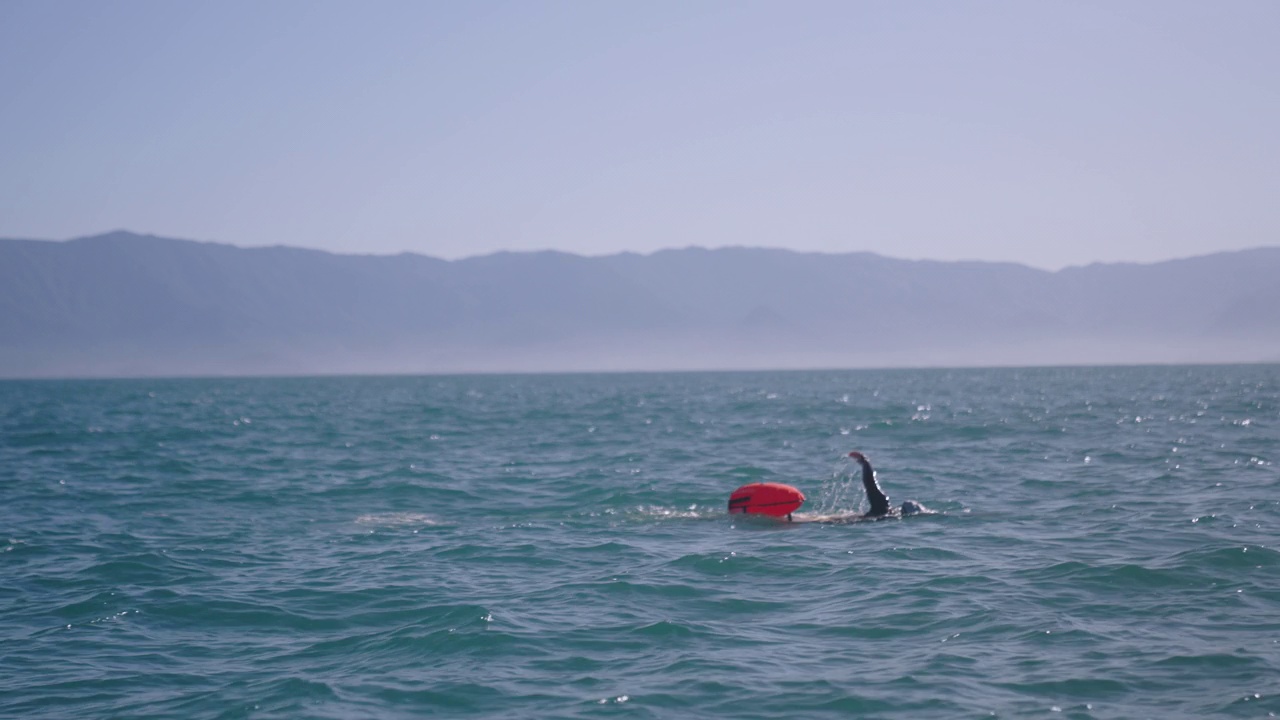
column 557, row 546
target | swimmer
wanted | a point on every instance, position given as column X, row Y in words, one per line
column 880, row 507
column 778, row 500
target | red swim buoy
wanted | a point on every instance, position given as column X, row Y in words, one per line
column 773, row 499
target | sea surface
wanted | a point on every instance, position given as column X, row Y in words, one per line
column 1104, row 545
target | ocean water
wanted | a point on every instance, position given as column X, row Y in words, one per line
column 1104, row 546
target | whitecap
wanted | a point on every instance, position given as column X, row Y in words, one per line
column 397, row 519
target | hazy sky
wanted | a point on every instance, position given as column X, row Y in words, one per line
column 1049, row 133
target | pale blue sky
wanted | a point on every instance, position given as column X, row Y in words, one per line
column 1048, row 133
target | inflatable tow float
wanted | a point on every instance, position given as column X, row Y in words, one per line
column 773, row 499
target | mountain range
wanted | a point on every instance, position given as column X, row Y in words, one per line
column 123, row 304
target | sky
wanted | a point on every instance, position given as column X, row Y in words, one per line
column 1046, row 133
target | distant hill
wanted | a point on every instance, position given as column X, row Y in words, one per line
column 126, row 304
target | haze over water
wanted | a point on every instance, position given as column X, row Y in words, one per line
column 557, row 546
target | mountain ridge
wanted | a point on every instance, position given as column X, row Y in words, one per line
column 122, row 303
column 131, row 235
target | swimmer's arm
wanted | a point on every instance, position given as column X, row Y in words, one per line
column 879, row 501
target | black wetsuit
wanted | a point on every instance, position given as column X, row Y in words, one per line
column 879, row 501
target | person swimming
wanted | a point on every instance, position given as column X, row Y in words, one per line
column 778, row 500
column 880, row 506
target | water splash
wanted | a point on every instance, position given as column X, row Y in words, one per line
column 841, row 492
